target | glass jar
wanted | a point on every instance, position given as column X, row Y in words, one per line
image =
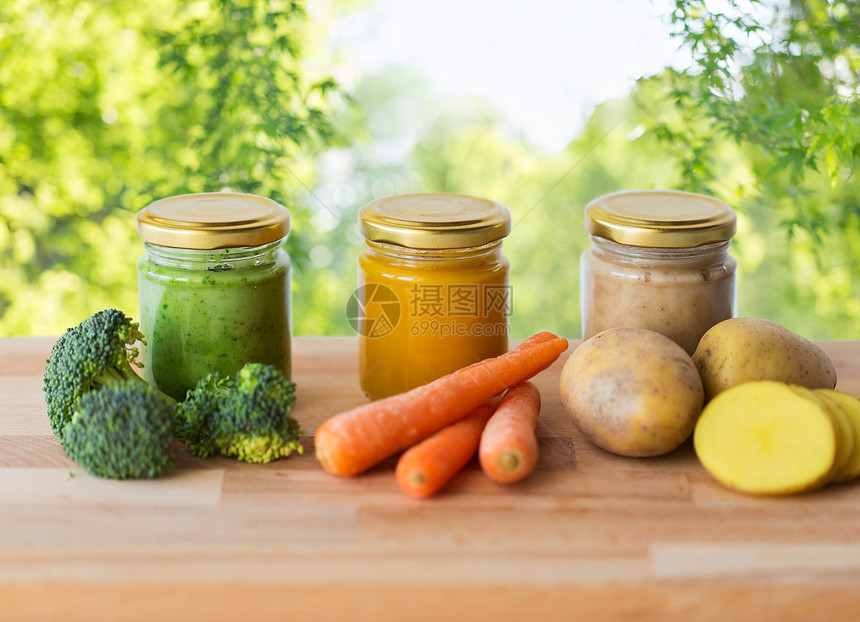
column 214, row 287
column 659, row 260
column 432, row 292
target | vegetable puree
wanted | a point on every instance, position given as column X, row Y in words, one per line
column 217, row 319
column 433, row 292
column 452, row 314
column 660, row 261
column 680, row 294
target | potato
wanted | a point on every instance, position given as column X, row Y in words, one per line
column 851, row 408
column 745, row 349
column 632, row 391
column 765, row 437
column 841, row 425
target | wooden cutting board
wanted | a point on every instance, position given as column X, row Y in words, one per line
column 589, row 536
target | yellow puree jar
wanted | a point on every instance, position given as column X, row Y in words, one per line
column 659, row 260
column 432, row 291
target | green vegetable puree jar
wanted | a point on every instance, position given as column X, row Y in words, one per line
column 214, row 287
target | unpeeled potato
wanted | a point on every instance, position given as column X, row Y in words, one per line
column 745, row 349
column 632, row 391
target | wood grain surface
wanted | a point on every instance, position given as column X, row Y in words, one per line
column 589, row 536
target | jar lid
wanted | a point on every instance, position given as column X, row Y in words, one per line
column 660, row 219
column 213, row 220
column 434, row 220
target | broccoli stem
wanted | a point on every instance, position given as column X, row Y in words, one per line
column 122, row 372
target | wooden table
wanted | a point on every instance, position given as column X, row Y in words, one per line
column 589, row 536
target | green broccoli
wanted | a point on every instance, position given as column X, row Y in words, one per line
column 246, row 415
column 121, row 431
column 96, row 352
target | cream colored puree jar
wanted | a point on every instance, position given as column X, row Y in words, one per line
column 659, row 260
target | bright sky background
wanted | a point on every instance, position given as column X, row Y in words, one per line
column 546, row 63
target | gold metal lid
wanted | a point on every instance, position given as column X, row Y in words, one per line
column 213, row 220
column 431, row 221
column 660, row 219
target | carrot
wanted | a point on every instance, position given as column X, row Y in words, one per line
column 355, row 440
column 541, row 337
column 425, row 468
column 534, row 340
column 509, row 448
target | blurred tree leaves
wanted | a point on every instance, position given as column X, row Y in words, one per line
column 105, row 106
column 781, row 82
column 403, row 137
column 781, row 77
column 754, row 138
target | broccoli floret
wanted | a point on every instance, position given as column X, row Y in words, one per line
column 98, row 351
column 122, row 431
column 246, row 416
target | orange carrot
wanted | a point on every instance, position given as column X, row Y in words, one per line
column 355, row 440
column 509, row 447
column 541, row 337
column 425, row 468
column 535, row 339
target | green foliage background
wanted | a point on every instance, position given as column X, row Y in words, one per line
column 106, row 106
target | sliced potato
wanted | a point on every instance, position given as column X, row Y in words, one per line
column 851, row 408
column 844, row 432
column 765, row 438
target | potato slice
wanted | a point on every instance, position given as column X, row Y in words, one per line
column 844, row 431
column 851, row 408
column 765, row 438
